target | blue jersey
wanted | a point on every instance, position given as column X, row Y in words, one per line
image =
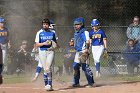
column 97, row 37
column 70, row 50
column 133, row 54
column 4, row 36
column 43, row 36
column 80, row 38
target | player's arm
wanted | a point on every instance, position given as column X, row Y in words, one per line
column 87, row 41
column 38, row 44
column 105, row 42
column 104, row 39
column 90, row 40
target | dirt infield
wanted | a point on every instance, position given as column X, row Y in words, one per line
column 59, row 87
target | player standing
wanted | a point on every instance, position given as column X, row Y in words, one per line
column 39, row 67
column 44, row 38
column 36, row 55
column 99, row 43
column 4, row 34
column 81, row 44
column 1, row 66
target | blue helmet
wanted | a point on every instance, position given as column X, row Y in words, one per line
column 2, row 20
column 79, row 20
column 95, row 22
column 83, row 20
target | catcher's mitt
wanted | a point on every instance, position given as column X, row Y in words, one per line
column 105, row 54
column 83, row 57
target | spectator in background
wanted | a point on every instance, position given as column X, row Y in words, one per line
column 22, row 57
column 69, row 57
column 133, row 31
column 131, row 56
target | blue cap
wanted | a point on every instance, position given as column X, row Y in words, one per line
column 2, row 20
column 95, row 22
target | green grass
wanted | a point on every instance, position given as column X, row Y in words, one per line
column 122, row 78
column 10, row 79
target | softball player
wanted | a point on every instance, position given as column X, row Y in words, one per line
column 44, row 38
column 39, row 67
column 1, row 65
column 4, row 41
column 81, row 44
column 36, row 55
column 99, row 44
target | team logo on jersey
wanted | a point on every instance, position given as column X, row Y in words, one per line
column 96, row 36
column 46, row 37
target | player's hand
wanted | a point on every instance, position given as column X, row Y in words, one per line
column 47, row 42
column 105, row 54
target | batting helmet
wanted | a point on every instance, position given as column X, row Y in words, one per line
column 46, row 21
column 2, row 20
column 79, row 20
column 95, row 22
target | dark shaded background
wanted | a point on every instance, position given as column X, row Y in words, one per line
column 24, row 17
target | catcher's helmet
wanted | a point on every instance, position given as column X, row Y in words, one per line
column 52, row 24
column 46, row 21
column 79, row 21
column 2, row 20
column 95, row 22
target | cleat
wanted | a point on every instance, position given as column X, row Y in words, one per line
column 76, row 85
column 98, row 74
column 48, row 88
column 91, row 85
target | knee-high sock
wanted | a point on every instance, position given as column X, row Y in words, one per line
column 45, row 79
column 97, row 67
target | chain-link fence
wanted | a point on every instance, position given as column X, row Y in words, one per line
column 24, row 20
column 115, row 64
